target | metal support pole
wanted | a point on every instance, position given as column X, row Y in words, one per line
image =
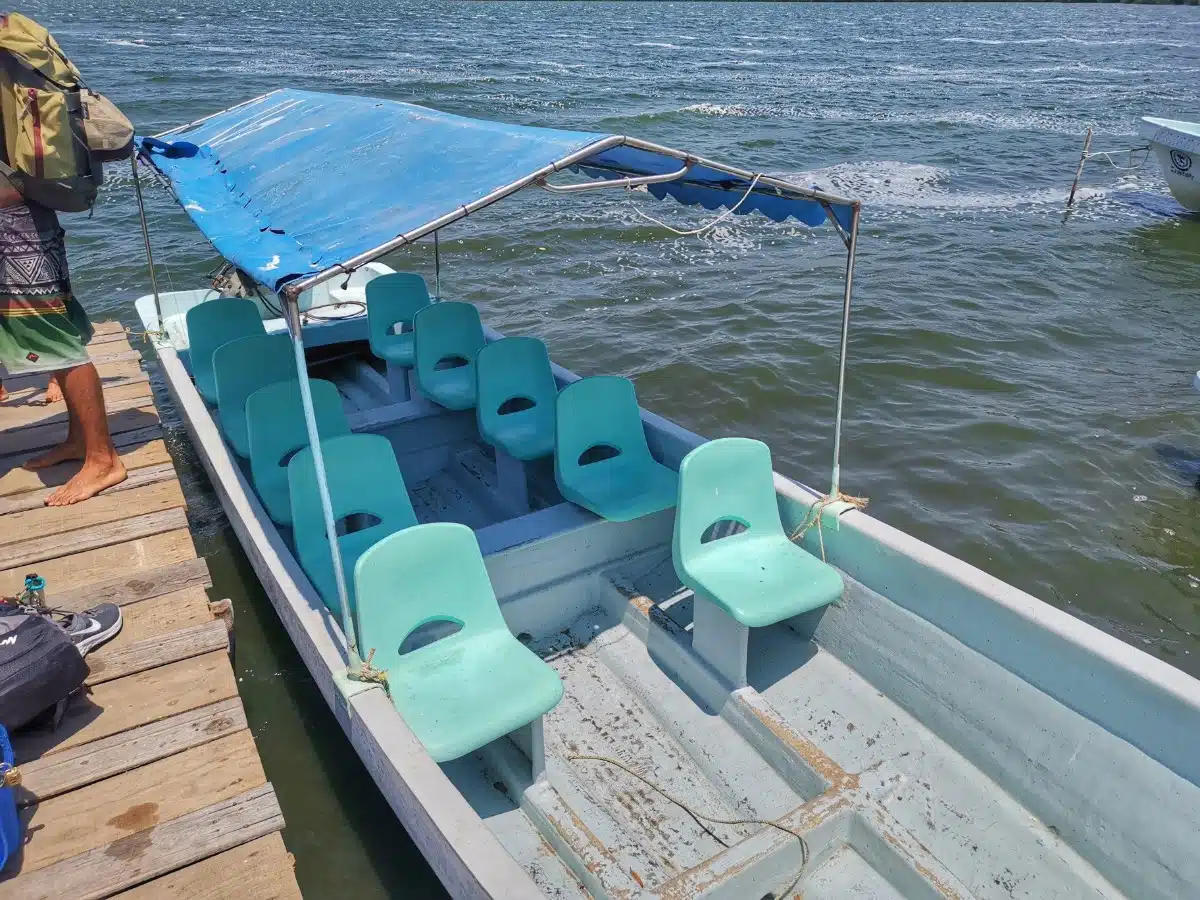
column 292, row 310
column 137, row 185
column 437, row 268
column 841, row 390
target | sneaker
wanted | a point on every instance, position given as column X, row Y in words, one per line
column 92, row 627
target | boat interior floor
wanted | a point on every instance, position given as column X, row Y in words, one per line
column 661, row 781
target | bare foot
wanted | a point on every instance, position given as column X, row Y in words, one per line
column 54, row 393
column 3, row 393
column 56, row 454
column 88, row 482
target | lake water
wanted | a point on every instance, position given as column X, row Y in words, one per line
column 1019, row 390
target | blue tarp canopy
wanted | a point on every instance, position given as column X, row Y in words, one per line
column 297, row 182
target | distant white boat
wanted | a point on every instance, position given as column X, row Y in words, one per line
column 1177, row 145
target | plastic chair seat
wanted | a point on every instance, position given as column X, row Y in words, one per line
column 363, row 478
column 621, row 489
column 451, row 388
column 467, row 688
column 399, row 351
column 599, row 416
column 242, row 367
column 210, row 325
column 394, row 299
column 761, row 580
column 459, row 695
column 516, row 369
column 525, row 435
column 442, row 334
column 276, row 428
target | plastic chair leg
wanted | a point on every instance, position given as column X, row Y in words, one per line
column 721, row 641
column 531, row 741
column 400, row 381
column 511, row 483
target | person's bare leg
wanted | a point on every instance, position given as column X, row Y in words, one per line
column 72, row 448
column 102, row 467
column 3, row 393
column 54, row 392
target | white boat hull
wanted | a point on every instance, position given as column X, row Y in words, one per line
column 1177, row 146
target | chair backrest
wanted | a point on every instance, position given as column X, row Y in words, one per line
column 445, row 331
column 363, row 477
column 725, row 479
column 394, row 299
column 418, row 576
column 276, row 431
column 599, row 417
column 514, row 379
column 213, row 323
column 241, row 367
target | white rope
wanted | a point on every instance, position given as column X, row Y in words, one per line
column 1107, row 156
column 722, row 217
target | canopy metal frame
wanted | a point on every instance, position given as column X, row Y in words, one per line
column 291, row 292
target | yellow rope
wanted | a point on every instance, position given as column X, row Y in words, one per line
column 696, row 814
column 364, row 671
column 813, row 517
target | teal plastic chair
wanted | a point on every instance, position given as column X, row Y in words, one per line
column 516, row 397
column 601, row 459
column 757, row 576
column 240, row 368
column 276, row 431
column 394, row 300
column 469, row 688
column 447, row 335
column 211, row 324
column 366, row 488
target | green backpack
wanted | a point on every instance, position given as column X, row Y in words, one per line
column 58, row 133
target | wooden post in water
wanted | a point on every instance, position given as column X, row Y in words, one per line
column 1087, row 145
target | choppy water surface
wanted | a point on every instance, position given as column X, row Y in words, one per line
column 1019, row 390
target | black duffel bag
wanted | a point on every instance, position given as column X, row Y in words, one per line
column 39, row 666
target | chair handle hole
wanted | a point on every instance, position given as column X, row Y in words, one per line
column 515, row 405
column 430, row 632
column 598, row 453
column 451, row 362
column 359, row 521
column 723, row 528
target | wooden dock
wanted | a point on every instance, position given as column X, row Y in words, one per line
column 151, row 786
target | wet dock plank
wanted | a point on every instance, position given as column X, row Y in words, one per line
column 151, row 785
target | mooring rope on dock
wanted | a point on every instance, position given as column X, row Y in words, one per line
column 813, row 516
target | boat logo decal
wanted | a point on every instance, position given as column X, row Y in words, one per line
column 1181, row 160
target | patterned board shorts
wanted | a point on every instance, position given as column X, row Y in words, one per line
column 42, row 326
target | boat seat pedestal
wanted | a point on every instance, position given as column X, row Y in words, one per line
column 721, row 641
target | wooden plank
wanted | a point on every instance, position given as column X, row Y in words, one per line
column 37, row 550
column 107, row 327
column 155, row 617
column 132, row 701
column 136, row 449
column 188, row 577
column 150, row 653
column 132, row 559
column 107, row 353
column 137, row 478
column 108, row 371
column 104, row 509
column 32, row 392
column 164, row 848
column 58, row 773
column 37, row 437
column 110, row 337
column 37, row 415
column 134, row 801
column 259, row 870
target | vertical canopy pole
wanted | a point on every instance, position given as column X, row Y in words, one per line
column 292, row 310
column 137, row 184
column 851, row 251
column 437, row 268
